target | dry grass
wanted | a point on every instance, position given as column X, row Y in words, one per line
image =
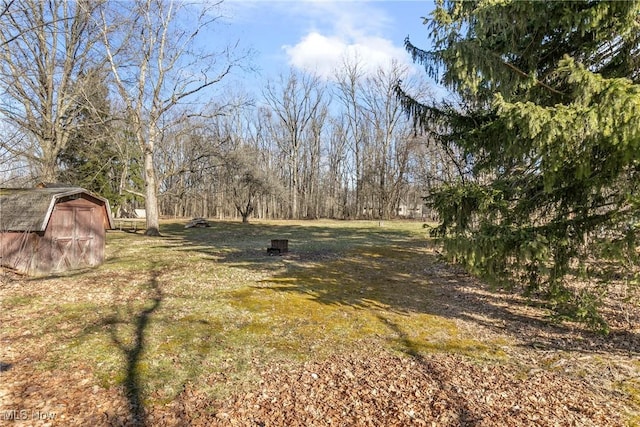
column 165, row 313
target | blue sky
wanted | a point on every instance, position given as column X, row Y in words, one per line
column 316, row 35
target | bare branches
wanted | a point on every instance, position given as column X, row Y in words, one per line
column 296, row 102
column 156, row 69
column 46, row 49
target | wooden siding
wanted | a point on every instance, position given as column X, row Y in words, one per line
column 18, row 250
column 74, row 238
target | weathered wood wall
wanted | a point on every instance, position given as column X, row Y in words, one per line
column 74, row 238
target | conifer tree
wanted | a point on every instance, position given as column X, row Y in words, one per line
column 548, row 124
column 95, row 156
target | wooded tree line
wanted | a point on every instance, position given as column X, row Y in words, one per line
column 121, row 98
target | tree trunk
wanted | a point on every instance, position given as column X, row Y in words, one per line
column 49, row 170
column 294, row 196
column 151, row 199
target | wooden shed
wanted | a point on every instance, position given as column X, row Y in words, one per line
column 48, row 230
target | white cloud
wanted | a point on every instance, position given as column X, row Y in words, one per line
column 324, row 54
column 320, row 35
column 343, row 30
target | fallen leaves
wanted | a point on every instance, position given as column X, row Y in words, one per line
column 548, row 375
column 437, row 390
column 354, row 390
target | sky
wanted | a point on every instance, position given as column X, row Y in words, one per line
column 316, row 35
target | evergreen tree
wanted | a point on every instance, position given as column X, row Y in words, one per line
column 548, row 124
column 93, row 159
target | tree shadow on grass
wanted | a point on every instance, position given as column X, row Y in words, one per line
column 134, row 349
column 384, row 273
column 114, row 335
column 465, row 415
column 246, row 244
column 401, row 279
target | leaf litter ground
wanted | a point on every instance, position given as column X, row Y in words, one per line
column 284, row 355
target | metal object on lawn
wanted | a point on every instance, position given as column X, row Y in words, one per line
column 278, row 247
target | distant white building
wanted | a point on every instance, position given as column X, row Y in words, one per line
column 410, row 211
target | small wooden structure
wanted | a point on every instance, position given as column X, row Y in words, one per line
column 278, row 247
column 197, row 223
column 129, row 224
column 47, row 230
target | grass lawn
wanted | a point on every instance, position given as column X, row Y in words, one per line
column 208, row 308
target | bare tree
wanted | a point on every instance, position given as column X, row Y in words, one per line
column 390, row 139
column 186, row 161
column 13, row 168
column 48, row 52
column 158, row 65
column 296, row 100
column 311, row 160
column 4, row 8
column 349, row 92
column 260, row 134
column 245, row 182
column 336, row 178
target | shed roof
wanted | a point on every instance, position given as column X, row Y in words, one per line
column 29, row 209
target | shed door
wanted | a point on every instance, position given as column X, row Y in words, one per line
column 72, row 237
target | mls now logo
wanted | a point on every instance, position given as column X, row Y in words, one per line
column 26, row 414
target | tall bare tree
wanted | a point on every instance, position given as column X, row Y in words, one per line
column 157, row 64
column 295, row 100
column 389, row 147
column 311, row 161
column 349, row 92
column 48, row 52
column 260, row 135
column 336, row 178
